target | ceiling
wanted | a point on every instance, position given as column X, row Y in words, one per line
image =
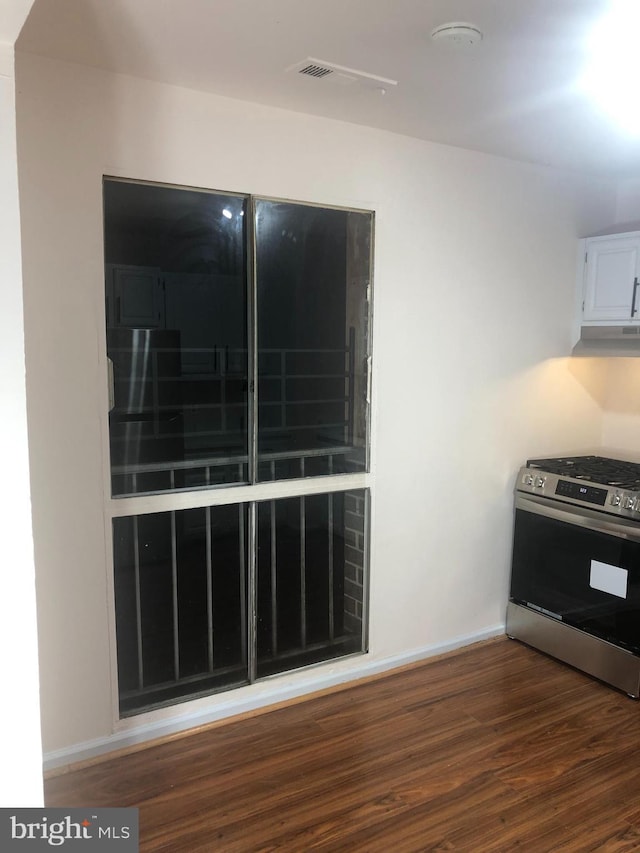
column 514, row 94
column 12, row 16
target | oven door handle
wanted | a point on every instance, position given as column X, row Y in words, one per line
column 580, row 517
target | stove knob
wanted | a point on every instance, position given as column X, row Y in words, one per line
column 540, row 481
column 528, row 479
column 629, row 503
column 616, row 499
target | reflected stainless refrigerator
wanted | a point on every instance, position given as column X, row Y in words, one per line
column 146, row 417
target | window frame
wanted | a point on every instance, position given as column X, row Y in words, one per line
column 254, row 491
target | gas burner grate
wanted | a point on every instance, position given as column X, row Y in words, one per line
column 596, row 469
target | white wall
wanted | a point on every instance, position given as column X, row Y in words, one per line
column 474, row 282
column 20, row 740
column 620, row 395
column 628, row 203
column 621, row 406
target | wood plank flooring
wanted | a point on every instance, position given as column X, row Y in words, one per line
column 492, row 748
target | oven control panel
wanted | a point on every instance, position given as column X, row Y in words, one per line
column 621, row 499
column 533, row 480
column 576, row 491
column 581, row 492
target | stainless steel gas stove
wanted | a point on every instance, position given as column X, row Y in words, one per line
column 575, row 575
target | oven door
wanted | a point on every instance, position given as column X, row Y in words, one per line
column 579, row 566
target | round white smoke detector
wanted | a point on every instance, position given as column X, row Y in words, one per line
column 457, row 34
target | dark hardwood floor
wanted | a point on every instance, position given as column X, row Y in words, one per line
column 492, row 748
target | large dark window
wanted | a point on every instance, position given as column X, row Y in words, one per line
column 181, row 604
column 312, row 274
column 310, row 579
column 192, row 618
column 176, row 309
column 238, row 350
column 207, row 339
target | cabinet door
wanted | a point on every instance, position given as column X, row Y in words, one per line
column 612, row 268
column 136, row 297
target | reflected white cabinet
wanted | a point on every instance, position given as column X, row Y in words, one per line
column 134, row 297
column 611, row 281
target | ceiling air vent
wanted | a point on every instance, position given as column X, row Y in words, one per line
column 315, row 70
column 318, row 68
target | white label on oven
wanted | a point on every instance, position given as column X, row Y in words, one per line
column 606, row 578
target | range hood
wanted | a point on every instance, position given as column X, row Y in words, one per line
column 608, row 341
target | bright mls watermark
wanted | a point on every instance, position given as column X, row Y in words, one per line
column 69, row 829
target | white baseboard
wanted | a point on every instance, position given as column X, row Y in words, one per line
column 305, row 682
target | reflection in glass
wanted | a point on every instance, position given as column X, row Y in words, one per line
column 176, row 313
column 312, row 278
column 311, row 577
column 180, row 600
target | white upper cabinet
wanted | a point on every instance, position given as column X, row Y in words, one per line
column 611, row 280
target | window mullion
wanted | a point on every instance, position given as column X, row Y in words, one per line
column 252, row 340
column 252, row 437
